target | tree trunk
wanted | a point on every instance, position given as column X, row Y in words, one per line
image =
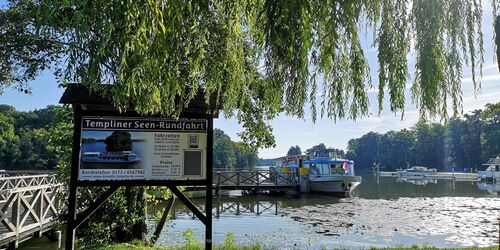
column 140, row 229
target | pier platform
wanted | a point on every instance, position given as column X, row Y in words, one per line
column 438, row 175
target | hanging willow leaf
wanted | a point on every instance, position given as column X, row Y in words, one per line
column 258, row 58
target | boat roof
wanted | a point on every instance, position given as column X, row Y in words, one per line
column 91, row 153
column 493, row 161
column 327, row 160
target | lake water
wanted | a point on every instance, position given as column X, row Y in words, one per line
column 383, row 211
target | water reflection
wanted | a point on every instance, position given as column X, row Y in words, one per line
column 420, row 182
column 376, row 187
column 383, row 212
column 492, row 188
column 244, row 206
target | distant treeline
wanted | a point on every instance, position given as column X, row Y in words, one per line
column 230, row 155
column 466, row 141
column 23, row 138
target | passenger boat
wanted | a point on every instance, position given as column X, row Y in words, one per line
column 417, row 172
column 334, row 176
column 492, row 173
column 110, row 157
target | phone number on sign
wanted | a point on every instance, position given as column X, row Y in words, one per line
column 113, row 171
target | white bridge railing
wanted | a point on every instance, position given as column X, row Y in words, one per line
column 28, row 203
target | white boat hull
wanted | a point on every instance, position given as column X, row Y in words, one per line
column 337, row 185
column 110, row 161
column 492, row 188
column 489, row 175
column 416, row 176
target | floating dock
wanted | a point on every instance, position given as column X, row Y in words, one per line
column 437, row 175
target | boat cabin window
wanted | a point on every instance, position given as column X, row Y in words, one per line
column 313, row 169
column 337, row 168
column 324, row 169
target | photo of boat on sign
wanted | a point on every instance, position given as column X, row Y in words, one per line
column 110, row 150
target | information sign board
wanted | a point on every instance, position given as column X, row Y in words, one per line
column 131, row 148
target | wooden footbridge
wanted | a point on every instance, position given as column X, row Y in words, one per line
column 28, row 204
column 255, row 181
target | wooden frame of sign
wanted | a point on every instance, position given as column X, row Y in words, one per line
column 161, row 161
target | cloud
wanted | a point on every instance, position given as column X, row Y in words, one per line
column 472, row 103
column 484, row 79
column 372, row 89
column 493, row 65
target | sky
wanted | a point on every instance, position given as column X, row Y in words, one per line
column 290, row 131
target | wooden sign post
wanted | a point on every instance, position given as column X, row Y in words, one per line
column 116, row 149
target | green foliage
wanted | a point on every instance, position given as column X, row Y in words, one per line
column 232, row 155
column 246, row 158
column 462, row 142
column 490, row 136
column 24, row 52
column 364, row 150
column 394, row 148
column 190, row 241
column 58, row 136
column 23, row 141
column 257, row 58
column 119, row 141
column 428, row 149
column 229, row 242
column 321, row 150
column 9, row 143
column 224, row 155
column 471, row 139
column 294, row 151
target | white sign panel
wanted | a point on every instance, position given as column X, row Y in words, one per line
column 118, row 148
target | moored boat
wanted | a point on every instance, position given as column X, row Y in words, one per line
column 492, row 173
column 119, row 157
column 417, row 172
column 334, row 176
